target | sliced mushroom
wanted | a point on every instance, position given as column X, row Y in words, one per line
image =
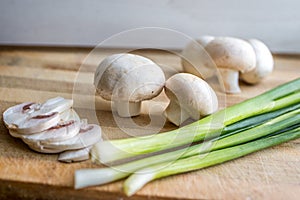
column 67, row 115
column 57, row 104
column 196, row 60
column 62, row 131
column 264, row 63
column 231, row 55
column 35, row 124
column 88, row 135
column 127, row 80
column 190, row 97
column 43, row 150
column 17, row 112
column 75, row 155
column 28, row 118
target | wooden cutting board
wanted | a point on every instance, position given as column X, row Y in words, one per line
column 35, row 74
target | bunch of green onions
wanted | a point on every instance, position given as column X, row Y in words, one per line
column 263, row 121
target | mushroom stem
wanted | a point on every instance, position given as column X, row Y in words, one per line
column 175, row 114
column 230, row 79
column 128, row 109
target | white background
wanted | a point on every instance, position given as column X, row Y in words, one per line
column 87, row 23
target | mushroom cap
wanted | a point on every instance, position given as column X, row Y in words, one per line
column 192, row 93
column 264, row 63
column 196, row 60
column 128, row 77
column 204, row 40
column 232, row 53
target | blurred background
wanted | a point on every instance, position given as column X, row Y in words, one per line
column 88, row 23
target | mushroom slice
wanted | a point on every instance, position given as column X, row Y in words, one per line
column 231, row 56
column 196, row 60
column 57, row 104
column 127, row 80
column 42, row 149
column 75, row 155
column 35, row 124
column 17, row 113
column 190, row 97
column 264, row 63
column 88, row 135
column 62, row 131
column 67, row 115
column 29, row 118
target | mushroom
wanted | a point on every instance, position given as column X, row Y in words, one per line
column 43, row 150
column 29, row 125
column 57, row 104
column 196, row 60
column 62, row 131
column 28, row 118
column 190, row 97
column 52, row 127
column 231, row 56
column 127, row 80
column 75, row 155
column 67, row 115
column 88, row 135
column 264, row 63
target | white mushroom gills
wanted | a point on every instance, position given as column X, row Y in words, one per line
column 127, row 80
column 190, row 97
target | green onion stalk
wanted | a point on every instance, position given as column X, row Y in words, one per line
column 196, row 162
column 209, row 127
column 235, row 134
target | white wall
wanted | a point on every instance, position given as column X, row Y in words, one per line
column 78, row 22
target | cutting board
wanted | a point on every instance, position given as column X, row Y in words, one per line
column 36, row 74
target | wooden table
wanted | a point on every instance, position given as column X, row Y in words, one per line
column 35, row 74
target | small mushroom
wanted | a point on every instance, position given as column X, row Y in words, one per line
column 196, row 60
column 127, row 80
column 75, row 155
column 190, row 97
column 264, row 63
column 231, row 56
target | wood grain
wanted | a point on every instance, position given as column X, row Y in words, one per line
column 33, row 74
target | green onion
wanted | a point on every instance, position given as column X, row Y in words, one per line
column 142, row 177
column 284, row 118
column 206, row 128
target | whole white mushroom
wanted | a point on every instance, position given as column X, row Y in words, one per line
column 231, row 55
column 190, row 97
column 127, row 80
column 264, row 63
